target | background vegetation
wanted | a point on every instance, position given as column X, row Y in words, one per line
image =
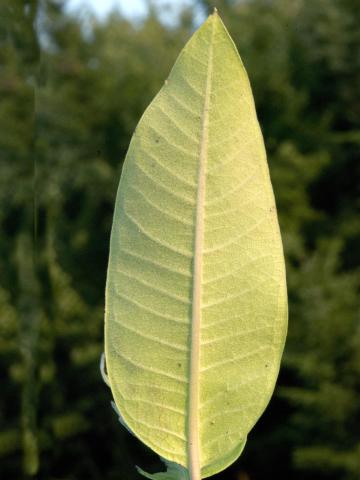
column 70, row 96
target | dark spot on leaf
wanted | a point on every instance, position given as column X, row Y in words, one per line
column 179, row 364
column 157, row 140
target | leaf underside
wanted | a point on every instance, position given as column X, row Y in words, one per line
column 196, row 310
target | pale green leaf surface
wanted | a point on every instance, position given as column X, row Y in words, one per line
column 196, row 310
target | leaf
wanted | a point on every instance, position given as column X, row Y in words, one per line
column 196, row 311
column 174, row 472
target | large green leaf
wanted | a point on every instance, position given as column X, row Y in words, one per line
column 196, row 308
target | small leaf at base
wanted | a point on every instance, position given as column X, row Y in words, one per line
column 174, row 472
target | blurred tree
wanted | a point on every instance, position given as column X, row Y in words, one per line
column 19, row 297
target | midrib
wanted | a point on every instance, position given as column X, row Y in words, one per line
column 194, row 420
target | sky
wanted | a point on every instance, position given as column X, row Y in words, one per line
column 130, row 8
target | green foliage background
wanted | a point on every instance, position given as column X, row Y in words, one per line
column 70, row 96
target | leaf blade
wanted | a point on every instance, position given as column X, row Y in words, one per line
column 193, row 219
